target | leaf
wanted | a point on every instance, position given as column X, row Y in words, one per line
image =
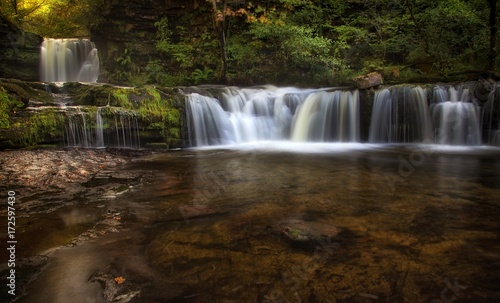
column 120, row 280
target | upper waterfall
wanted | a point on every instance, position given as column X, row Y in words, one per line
column 69, row 60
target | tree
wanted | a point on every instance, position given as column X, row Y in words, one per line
column 219, row 12
column 493, row 34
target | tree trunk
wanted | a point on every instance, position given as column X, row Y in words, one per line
column 219, row 27
column 493, row 34
column 222, row 43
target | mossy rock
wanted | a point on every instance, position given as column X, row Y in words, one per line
column 27, row 91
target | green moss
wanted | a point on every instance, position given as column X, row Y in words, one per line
column 7, row 106
column 121, row 96
column 40, row 127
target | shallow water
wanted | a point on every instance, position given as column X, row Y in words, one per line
column 418, row 223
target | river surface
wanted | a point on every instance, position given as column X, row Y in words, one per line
column 418, row 223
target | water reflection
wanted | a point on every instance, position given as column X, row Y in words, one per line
column 211, row 227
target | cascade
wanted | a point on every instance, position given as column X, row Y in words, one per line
column 327, row 117
column 246, row 115
column 400, row 114
column 455, row 117
column 114, row 128
column 491, row 118
column 69, row 60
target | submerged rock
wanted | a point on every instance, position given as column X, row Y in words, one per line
column 299, row 231
column 196, row 211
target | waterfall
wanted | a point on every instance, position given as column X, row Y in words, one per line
column 455, row 117
column 246, row 115
column 491, row 118
column 327, row 117
column 113, row 128
column 99, row 129
column 400, row 114
column 69, row 60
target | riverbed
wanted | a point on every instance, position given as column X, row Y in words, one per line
column 266, row 222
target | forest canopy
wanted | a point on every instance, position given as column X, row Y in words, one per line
column 323, row 42
column 52, row 18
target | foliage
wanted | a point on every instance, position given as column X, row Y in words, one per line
column 191, row 59
column 53, row 18
column 285, row 41
column 199, row 76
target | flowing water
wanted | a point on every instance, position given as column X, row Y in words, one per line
column 280, row 114
column 226, row 221
column 69, row 60
column 417, row 223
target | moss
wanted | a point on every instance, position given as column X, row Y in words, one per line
column 26, row 91
column 40, row 127
column 7, row 107
column 120, row 96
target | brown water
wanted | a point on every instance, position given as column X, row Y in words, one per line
column 417, row 224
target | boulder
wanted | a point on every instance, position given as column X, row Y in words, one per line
column 368, row 80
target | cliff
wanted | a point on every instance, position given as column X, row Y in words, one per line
column 19, row 52
column 126, row 30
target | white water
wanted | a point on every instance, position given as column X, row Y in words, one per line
column 117, row 128
column 491, row 117
column 289, row 114
column 456, row 119
column 69, row 60
column 400, row 114
column 457, row 123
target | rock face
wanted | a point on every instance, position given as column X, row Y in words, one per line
column 127, row 28
column 139, row 116
column 19, row 52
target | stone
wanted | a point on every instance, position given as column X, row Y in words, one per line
column 130, row 26
column 196, row 211
column 368, row 81
column 19, row 52
column 113, row 291
column 301, row 231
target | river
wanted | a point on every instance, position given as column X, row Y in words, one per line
column 415, row 223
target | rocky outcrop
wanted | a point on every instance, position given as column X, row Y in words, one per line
column 19, row 52
column 127, row 29
column 368, row 81
column 34, row 113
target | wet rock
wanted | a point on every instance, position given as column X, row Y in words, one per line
column 27, row 270
column 196, row 211
column 299, row 231
column 368, row 80
column 116, row 289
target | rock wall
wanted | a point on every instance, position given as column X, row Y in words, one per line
column 126, row 28
column 19, row 52
column 31, row 116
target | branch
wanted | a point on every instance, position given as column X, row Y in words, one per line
column 35, row 8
